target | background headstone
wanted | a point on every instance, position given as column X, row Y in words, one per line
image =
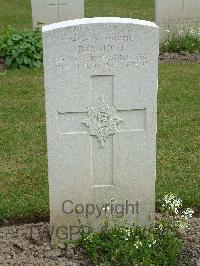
column 177, row 17
column 101, row 98
column 50, row 11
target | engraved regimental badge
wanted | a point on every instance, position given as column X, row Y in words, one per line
column 102, row 121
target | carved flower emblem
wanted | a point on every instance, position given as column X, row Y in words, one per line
column 102, row 121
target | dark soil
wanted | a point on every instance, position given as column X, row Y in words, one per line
column 2, row 63
column 29, row 244
column 192, row 249
column 174, row 58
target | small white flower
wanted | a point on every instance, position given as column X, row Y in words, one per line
column 128, row 232
column 137, row 244
column 188, row 213
column 107, row 208
column 192, row 31
column 180, row 30
column 171, row 203
column 160, row 227
column 176, row 211
column 181, row 226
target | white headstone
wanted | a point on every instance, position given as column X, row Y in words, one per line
column 177, row 17
column 101, row 98
column 50, row 11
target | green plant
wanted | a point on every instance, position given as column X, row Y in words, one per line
column 21, row 48
column 157, row 245
column 182, row 43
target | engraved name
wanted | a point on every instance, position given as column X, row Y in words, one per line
column 109, row 48
column 96, row 52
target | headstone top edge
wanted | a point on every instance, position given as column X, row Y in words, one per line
column 97, row 20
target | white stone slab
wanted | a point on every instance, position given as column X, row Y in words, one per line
column 177, row 17
column 51, row 11
column 101, row 98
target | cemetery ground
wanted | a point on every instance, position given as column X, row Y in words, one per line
column 23, row 180
column 24, row 186
column 18, row 13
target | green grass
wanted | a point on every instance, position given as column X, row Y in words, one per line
column 178, row 132
column 23, row 162
column 23, row 168
column 142, row 9
column 17, row 13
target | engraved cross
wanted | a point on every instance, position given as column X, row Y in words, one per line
column 123, row 121
column 58, row 4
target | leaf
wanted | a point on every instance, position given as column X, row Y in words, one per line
column 37, row 64
column 19, row 60
column 16, row 37
column 15, row 53
column 37, row 56
column 26, row 61
column 9, row 42
column 9, row 61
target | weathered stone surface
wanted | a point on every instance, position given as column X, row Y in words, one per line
column 177, row 17
column 101, row 101
column 50, row 11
